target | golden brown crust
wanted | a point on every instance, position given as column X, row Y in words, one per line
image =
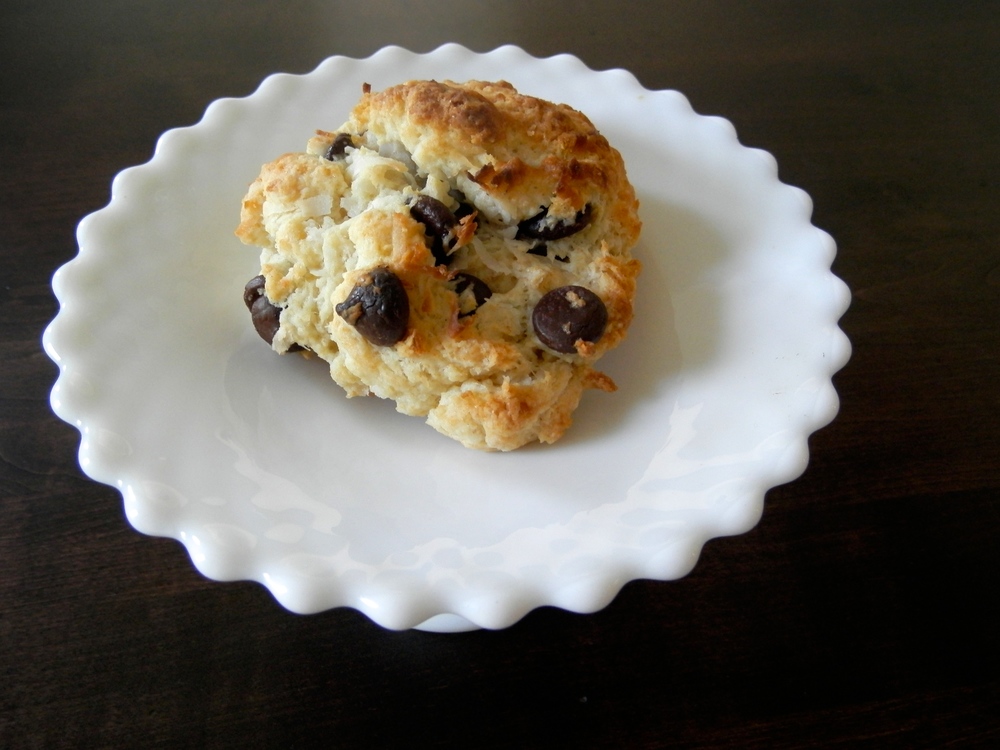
column 478, row 374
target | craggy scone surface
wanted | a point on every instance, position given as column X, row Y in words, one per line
column 473, row 202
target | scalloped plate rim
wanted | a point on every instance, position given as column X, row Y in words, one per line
column 441, row 612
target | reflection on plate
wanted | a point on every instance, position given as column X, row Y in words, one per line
column 264, row 471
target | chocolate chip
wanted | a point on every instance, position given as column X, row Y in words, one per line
column 464, row 209
column 567, row 315
column 542, row 250
column 480, row 289
column 541, row 227
column 378, row 307
column 253, row 290
column 339, row 146
column 265, row 315
column 439, row 222
column 266, row 318
column 465, row 206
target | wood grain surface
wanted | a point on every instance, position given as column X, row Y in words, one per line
column 863, row 611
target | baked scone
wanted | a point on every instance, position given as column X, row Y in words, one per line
column 460, row 248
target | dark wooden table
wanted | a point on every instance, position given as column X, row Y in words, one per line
column 863, row 611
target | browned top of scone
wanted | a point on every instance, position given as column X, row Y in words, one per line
column 521, row 150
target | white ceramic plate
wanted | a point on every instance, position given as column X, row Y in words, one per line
column 264, row 471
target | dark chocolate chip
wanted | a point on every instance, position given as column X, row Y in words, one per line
column 253, row 290
column 465, row 207
column 265, row 316
column 378, row 307
column 339, row 146
column 439, row 222
column 541, row 249
column 541, row 227
column 480, row 289
column 567, row 315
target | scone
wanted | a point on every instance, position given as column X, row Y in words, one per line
column 460, row 248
